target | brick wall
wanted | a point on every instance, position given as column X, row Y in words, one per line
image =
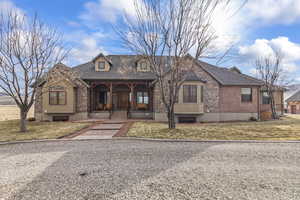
column 278, row 97
column 230, row 100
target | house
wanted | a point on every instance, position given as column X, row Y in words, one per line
column 294, row 103
column 123, row 85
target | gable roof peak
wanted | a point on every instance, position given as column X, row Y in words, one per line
column 101, row 55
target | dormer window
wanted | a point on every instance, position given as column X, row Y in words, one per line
column 143, row 66
column 100, row 66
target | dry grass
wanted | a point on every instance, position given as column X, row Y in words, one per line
column 9, row 112
column 288, row 128
column 9, row 130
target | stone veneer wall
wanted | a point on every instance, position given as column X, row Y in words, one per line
column 38, row 105
column 211, row 92
column 81, row 111
column 82, row 99
column 211, row 96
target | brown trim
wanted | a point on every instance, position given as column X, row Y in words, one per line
column 57, row 96
column 251, row 89
column 190, row 97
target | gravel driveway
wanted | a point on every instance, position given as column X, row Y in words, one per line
column 120, row 169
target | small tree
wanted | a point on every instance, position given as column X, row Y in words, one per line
column 165, row 32
column 269, row 70
column 27, row 49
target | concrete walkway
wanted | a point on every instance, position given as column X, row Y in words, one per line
column 105, row 130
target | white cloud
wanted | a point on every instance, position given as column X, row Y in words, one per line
column 264, row 48
column 74, row 24
column 7, row 6
column 86, row 46
column 228, row 24
column 107, row 10
column 273, row 11
column 253, row 72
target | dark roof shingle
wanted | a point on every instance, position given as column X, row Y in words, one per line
column 294, row 97
column 228, row 77
column 123, row 67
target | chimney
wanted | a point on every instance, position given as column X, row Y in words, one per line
column 235, row 70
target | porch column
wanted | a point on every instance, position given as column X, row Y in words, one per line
column 150, row 98
column 111, row 96
column 92, row 99
column 132, row 96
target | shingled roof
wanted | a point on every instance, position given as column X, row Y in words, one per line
column 228, row 77
column 294, row 97
column 123, row 68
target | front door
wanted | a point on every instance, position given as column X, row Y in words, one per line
column 123, row 100
column 293, row 109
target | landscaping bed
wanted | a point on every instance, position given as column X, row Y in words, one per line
column 9, row 130
column 287, row 128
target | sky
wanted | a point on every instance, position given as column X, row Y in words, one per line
column 258, row 29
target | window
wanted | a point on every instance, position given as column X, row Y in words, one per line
column 265, row 98
column 60, row 118
column 187, row 120
column 189, row 94
column 103, row 97
column 142, row 97
column 57, row 96
column 143, row 66
column 246, row 94
column 101, row 65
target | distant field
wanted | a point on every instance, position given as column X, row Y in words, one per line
column 5, row 100
column 8, row 112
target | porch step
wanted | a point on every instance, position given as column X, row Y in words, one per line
column 119, row 115
column 107, row 127
column 113, row 122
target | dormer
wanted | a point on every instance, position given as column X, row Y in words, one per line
column 101, row 63
column 143, row 65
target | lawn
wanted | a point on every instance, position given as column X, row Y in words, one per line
column 9, row 130
column 288, row 128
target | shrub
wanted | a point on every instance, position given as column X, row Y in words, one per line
column 31, row 119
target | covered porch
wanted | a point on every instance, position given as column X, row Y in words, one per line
column 135, row 98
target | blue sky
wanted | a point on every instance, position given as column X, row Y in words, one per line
column 261, row 27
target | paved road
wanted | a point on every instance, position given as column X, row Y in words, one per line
column 149, row 170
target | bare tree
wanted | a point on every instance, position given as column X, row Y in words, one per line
column 165, row 33
column 28, row 48
column 269, row 70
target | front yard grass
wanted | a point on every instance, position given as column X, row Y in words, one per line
column 288, row 128
column 9, row 130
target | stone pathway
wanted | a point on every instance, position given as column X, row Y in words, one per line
column 105, row 130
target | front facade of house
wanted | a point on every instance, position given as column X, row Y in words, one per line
column 125, row 84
